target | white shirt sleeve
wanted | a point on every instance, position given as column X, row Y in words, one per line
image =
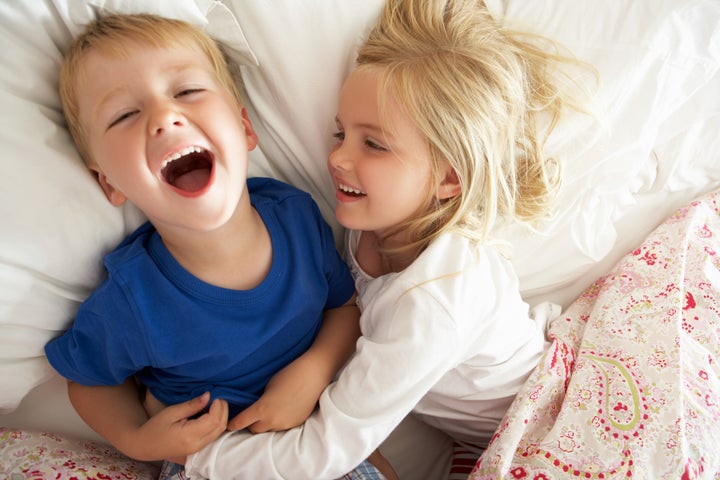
column 414, row 345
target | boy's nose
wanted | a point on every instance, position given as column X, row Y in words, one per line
column 164, row 118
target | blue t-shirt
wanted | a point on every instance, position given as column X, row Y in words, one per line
column 182, row 336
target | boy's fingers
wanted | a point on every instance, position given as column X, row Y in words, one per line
column 218, row 407
column 191, row 407
column 208, row 426
column 219, row 412
column 215, row 418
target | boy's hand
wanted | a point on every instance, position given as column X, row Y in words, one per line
column 289, row 399
column 172, row 435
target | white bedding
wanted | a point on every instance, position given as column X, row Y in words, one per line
column 652, row 146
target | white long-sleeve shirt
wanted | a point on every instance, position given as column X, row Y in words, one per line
column 449, row 338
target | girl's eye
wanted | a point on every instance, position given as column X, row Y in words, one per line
column 339, row 135
column 374, row 146
column 122, row 117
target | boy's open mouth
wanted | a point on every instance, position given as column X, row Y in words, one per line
column 189, row 170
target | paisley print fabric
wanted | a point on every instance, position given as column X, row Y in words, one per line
column 631, row 385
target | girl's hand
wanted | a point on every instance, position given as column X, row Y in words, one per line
column 289, row 399
column 293, row 392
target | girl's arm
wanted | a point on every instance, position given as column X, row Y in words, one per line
column 293, row 392
column 399, row 358
column 116, row 413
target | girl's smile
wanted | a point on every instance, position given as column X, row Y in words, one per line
column 347, row 193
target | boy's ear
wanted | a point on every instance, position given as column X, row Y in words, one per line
column 114, row 196
column 250, row 135
column 450, row 185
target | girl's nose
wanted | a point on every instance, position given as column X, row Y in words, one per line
column 338, row 157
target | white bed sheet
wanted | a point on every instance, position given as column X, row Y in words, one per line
column 653, row 147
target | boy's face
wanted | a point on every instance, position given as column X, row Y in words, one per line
column 164, row 133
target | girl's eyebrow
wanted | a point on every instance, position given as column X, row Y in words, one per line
column 367, row 126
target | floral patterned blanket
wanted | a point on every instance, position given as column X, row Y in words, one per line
column 630, row 388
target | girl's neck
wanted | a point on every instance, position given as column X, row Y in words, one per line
column 373, row 257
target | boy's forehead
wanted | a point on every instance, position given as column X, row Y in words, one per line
column 125, row 46
column 103, row 73
column 173, row 56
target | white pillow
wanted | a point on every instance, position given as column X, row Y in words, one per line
column 304, row 50
column 651, row 147
column 57, row 224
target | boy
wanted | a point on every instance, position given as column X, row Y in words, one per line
column 221, row 296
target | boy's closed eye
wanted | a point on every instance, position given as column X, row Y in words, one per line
column 125, row 115
column 188, row 91
column 120, row 118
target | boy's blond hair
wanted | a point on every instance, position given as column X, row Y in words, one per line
column 110, row 35
column 478, row 94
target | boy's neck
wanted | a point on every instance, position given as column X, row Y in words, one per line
column 236, row 256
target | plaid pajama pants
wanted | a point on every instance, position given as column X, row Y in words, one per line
column 364, row 471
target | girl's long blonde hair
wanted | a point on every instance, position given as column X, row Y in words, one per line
column 479, row 93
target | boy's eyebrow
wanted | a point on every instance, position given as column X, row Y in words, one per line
column 179, row 68
column 106, row 98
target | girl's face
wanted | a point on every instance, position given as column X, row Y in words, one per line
column 381, row 167
column 165, row 134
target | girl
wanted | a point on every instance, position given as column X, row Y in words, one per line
column 437, row 143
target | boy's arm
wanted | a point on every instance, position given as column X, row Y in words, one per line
column 293, row 392
column 116, row 413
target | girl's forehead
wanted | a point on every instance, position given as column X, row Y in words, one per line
column 380, row 99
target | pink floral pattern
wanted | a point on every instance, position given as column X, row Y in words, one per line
column 630, row 388
column 28, row 455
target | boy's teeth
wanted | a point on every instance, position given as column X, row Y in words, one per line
column 182, row 153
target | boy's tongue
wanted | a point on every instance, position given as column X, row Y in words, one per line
column 190, row 173
column 193, row 180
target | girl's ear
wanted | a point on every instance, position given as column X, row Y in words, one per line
column 450, row 185
column 115, row 196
